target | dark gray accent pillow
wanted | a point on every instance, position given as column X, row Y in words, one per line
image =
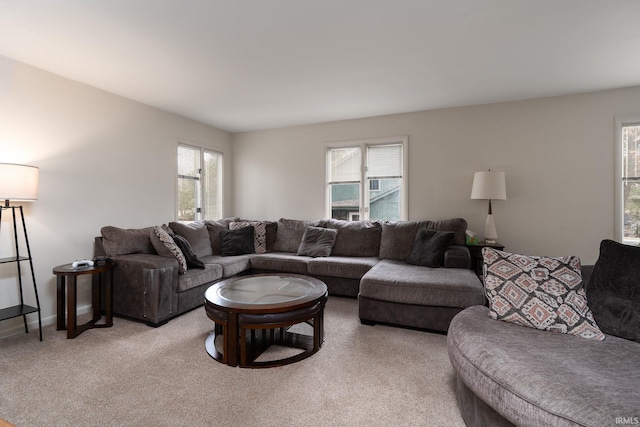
column 613, row 291
column 187, row 251
column 317, row 241
column 429, row 247
column 237, row 242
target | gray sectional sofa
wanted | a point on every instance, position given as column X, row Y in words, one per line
column 367, row 261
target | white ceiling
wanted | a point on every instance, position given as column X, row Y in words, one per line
column 244, row 65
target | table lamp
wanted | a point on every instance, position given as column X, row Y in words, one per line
column 488, row 185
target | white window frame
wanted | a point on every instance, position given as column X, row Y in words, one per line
column 364, row 193
column 620, row 122
column 200, row 192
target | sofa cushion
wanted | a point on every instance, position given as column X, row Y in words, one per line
column 237, row 242
column 280, row 261
column 429, row 247
column 397, row 238
column 166, row 247
column 538, row 292
column 187, row 251
column 197, row 277
column 337, row 266
column 317, row 242
column 613, row 290
column 197, row 234
column 534, row 378
column 397, row 281
column 356, row 238
column 215, row 229
column 457, row 225
column 120, row 241
column 231, row 265
column 289, row 234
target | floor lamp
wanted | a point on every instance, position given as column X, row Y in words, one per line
column 19, row 183
column 489, row 186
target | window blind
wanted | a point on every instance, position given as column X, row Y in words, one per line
column 384, row 161
column 345, row 165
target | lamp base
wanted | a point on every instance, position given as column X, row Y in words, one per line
column 490, row 232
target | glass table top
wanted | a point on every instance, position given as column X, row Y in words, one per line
column 266, row 290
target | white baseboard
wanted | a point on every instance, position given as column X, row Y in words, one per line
column 32, row 323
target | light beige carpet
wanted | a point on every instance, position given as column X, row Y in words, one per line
column 134, row 375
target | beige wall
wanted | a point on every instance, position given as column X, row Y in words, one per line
column 557, row 154
column 103, row 159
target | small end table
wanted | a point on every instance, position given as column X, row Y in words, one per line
column 476, row 254
column 102, row 278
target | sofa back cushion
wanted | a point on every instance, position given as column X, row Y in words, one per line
column 398, row 236
column 120, row 241
column 356, row 238
column 197, row 235
column 289, row 234
column 215, row 229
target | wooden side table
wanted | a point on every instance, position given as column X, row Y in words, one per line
column 102, row 278
column 476, row 254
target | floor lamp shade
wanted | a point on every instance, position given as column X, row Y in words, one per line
column 18, row 182
column 488, row 185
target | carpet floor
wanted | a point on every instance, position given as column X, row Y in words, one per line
column 135, row 375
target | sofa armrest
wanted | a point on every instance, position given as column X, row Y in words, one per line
column 457, row 256
column 145, row 287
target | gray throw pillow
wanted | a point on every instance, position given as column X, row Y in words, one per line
column 317, row 241
column 237, row 242
column 429, row 247
column 613, row 290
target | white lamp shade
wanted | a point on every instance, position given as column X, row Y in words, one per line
column 18, row 182
column 489, row 185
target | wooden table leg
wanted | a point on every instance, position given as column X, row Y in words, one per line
column 109, row 298
column 95, row 296
column 231, row 349
column 71, row 308
column 60, row 299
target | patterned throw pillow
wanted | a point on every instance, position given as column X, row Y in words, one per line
column 259, row 233
column 539, row 292
column 170, row 248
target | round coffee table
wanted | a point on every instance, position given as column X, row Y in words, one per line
column 253, row 312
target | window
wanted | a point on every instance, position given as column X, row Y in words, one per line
column 628, row 176
column 380, row 167
column 199, row 183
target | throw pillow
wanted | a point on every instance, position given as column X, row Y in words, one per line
column 165, row 246
column 237, row 242
column 429, row 247
column 197, row 234
column 187, row 251
column 317, row 241
column 259, row 233
column 614, row 290
column 545, row 293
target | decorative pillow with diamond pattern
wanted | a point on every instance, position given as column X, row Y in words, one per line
column 538, row 292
